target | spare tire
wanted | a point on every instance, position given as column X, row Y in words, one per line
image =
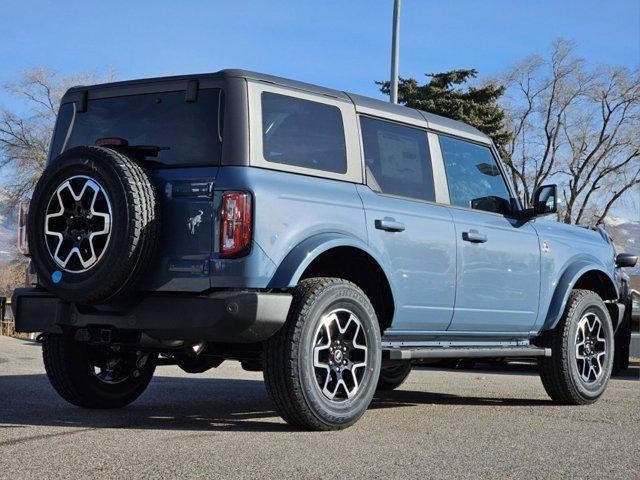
column 93, row 225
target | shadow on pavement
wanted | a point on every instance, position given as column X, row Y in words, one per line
column 399, row 398
column 184, row 404
column 171, row 403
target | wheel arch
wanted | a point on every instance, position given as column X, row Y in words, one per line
column 342, row 256
column 579, row 275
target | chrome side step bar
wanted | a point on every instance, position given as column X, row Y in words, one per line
column 410, row 353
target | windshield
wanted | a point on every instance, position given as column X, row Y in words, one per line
column 187, row 133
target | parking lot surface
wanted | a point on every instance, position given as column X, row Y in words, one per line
column 481, row 423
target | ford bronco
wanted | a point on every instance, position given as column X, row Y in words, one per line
column 327, row 239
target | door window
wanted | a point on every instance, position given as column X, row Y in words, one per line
column 474, row 179
column 397, row 159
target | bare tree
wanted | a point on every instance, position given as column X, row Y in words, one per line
column 574, row 125
column 25, row 134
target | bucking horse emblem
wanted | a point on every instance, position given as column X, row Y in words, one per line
column 194, row 222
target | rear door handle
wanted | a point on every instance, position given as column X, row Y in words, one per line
column 474, row 236
column 389, row 225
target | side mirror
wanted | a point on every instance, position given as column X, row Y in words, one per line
column 545, row 200
column 626, row 260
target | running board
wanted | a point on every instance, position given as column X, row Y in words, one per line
column 410, row 353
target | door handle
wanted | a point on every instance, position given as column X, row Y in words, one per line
column 474, row 236
column 389, row 225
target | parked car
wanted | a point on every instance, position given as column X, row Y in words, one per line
column 323, row 237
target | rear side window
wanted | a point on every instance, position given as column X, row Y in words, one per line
column 473, row 176
column 303, row 133
column 186, row 132
column 397, row 159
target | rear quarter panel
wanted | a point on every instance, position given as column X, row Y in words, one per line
column 288, row 209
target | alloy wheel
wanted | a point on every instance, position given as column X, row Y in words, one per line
column 340, row 355
column 78, row 224
column 591, row 348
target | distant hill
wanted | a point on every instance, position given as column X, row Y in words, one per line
column 626, row 236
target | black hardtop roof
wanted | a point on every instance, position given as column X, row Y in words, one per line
column 433, row 120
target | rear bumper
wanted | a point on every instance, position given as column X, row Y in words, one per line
column 223, row 316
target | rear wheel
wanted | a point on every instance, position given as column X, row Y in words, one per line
column 96, row 376
column 582, row 351
column 393, row 374
column 322, row 367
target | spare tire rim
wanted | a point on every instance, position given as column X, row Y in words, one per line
column 78, row 224
column 591, row 348
column 340, row 355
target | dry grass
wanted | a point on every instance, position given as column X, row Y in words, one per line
column 6, row 329
column 6, row 323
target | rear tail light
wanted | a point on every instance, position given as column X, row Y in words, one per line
column 23, row 212
column 235, row 224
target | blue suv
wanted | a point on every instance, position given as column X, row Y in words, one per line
column 327, row 239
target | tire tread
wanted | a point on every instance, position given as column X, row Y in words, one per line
column 64, row 369
column 555, row 370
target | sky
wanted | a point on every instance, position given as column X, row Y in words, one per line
column 339, row 44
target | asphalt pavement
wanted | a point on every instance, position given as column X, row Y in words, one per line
column 481, row 423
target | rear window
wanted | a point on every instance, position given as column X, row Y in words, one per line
column 187, row 132
column 303, row 133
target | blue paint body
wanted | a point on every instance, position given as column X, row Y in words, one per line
column 506, row 286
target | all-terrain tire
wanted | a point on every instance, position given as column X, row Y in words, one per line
column 133, row 234
column 69, row 370
column 393, row 375
column 560, row 373
column 289, row 373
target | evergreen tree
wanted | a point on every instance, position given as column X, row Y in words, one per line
column 445, row 94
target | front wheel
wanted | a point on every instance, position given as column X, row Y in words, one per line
column 322, row 367
column 582, row 351
column 95, row 376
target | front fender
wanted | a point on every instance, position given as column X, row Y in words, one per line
column 564, row 287
column 300, row 257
